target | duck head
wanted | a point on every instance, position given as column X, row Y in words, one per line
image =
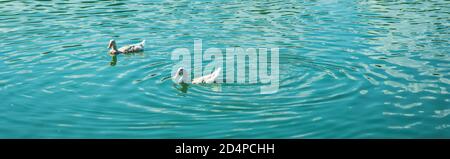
column 113, row 47
column 181, row 76
column 112, row 44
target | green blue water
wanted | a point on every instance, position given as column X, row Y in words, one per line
column 348, row 69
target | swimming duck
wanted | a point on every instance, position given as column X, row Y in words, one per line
column 126, row 49
column 181, row 76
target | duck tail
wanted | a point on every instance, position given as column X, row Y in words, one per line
column 216, row 73
column 143, row 42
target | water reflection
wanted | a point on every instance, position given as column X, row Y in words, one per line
column 113, row 60
column 182, row 87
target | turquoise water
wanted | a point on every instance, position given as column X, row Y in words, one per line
column 348, row 69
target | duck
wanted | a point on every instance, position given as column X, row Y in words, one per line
column 125, row 49
column 181, row 76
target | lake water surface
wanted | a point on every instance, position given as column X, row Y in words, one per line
column 348, row 69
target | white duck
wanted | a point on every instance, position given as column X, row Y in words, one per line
column 126, row 49
column 182, row 76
